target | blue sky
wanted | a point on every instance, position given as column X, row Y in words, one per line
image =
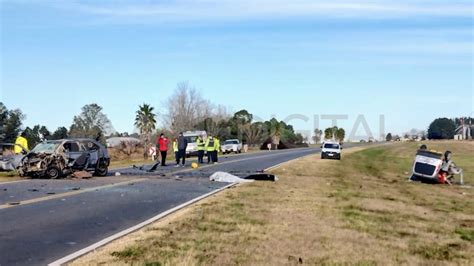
column 411, row 61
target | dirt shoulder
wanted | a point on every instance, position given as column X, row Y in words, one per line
column 360, row 210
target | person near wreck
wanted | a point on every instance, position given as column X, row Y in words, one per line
column 21, row 144
column 210, row 149
column 449, row 169
column 163, row 143
column 201, row 146
column 182, row 145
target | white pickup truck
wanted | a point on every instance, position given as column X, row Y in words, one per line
column 231, row 145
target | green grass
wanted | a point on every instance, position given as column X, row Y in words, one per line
column 129, row 253
column 320, row 210
column 465, row 234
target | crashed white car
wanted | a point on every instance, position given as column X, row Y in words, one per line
column 231, row 145
column 10, row 161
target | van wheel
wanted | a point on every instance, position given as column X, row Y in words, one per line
column 53, row 172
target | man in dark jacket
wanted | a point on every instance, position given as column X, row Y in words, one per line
column 182, row 145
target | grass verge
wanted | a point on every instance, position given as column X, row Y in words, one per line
column 360, row 210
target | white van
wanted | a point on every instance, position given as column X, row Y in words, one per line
column 192, row 137
column 331, row 150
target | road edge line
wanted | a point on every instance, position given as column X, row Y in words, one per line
column 132, row 229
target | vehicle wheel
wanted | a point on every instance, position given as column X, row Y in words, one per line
column 322, row 156
column 240, row 151
column 101, row 171
column 53, row 172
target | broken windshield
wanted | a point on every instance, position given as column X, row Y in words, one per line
column 45, row 147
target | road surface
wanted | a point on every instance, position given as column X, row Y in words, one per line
column 44, row 220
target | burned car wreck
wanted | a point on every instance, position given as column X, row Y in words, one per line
column 57, row 158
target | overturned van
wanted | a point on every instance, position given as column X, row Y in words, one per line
column 57, row 158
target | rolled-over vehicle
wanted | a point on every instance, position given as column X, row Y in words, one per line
column 9, row 160
column 427, row 165
column 231, row 145
column 56, row 158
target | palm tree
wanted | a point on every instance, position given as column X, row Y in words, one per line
column 145, row 121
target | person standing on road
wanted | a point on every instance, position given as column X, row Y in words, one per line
column 21, row 144
column 201, row 146
column 163, row 143
column 210, row 148
column 217, row 142
column 182, row 145
column 175, row 149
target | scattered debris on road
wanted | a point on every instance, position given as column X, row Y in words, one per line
column 82, row 175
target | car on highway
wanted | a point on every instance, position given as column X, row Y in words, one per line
column 331, row 150
column 231, row 145
column 57, row 158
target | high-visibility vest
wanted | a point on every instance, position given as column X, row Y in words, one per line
column 210, row 144
column 200, row 144
column 217, row 144
column 22, row 142
column 175, row 146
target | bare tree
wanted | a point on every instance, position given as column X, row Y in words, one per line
column 186, row 108
column 317, row 135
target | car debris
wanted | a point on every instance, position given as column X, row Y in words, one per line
column 144, row 168
column 9, row 160
column 82, row 175
column 57, row 158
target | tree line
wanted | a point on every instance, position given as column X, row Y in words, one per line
column 440, row 128
column 185, row 110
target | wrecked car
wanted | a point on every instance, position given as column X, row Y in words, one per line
column 434, row 167
column 9, row 160
column 57, row 158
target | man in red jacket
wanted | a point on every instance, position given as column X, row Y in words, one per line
column 163, row 145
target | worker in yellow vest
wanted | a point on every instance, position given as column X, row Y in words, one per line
column 201, row 147
column 21, row 144
column 217, row 142
column 210, row 148
column 175, row 149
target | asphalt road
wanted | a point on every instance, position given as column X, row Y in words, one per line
column 44, row 220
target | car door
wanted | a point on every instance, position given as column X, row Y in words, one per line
column 92, row 149
column 75, row 154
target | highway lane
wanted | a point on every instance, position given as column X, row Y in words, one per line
column 43, row 231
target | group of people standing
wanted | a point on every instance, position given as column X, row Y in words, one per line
column 209, row 146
